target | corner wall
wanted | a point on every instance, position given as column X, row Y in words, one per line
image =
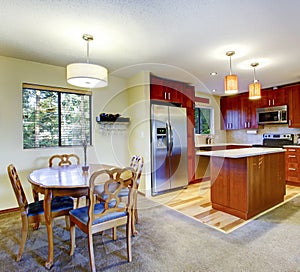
column 13, row 72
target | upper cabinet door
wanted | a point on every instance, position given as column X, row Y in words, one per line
column 271, row 98
column 166, row 90
column 293, row 105
column 248, row 112
column 230, row 109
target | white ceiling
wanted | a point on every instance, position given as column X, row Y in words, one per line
column 184, row 40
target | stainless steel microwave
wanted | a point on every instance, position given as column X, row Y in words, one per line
column 272, row 115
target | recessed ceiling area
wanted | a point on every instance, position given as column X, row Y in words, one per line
column 182, row 40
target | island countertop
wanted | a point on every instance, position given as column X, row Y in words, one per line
column 241, row 152
column 220, row 144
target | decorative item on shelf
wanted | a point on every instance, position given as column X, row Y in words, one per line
column 85, row 167
column 87, row 75
column 231, row 81
column 255, row 87
column 105, row 117
column 112, row 123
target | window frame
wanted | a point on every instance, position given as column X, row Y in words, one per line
column 59, row 91
column 211, row 125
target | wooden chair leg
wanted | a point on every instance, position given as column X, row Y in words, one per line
column 91, row 252
column 67, row 219
column 24, row 237
column 128, row 238
column 77, row 202
column 136, row 212
column 72, row 238
column 114, row 233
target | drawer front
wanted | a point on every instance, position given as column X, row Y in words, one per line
column 294, row 151
column 291, row 158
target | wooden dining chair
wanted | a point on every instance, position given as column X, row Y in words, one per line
column 33, row 213
column 65, row 159
column 137, row 163
column 97, row 217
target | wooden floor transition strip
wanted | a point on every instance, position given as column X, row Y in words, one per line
column 194, row 201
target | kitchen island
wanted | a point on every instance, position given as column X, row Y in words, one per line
column 246, row 181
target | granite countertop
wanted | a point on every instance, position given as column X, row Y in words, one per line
column 291, row 146
column 220, row 144
column 241, row 152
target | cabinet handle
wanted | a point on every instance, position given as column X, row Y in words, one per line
column 290, row 122
column 293, row 150
column 292, row 156
column 165, row 95
column 169, row 96
column 246, row 125
column 292, row 169
column 269, row 102
column 249, row 124
column 273, row 102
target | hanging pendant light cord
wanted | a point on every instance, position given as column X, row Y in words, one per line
column 88, row 51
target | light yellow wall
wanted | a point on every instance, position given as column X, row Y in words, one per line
column 13, row 72
column 139, row 110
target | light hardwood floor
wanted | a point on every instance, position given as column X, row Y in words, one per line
column 195, row 202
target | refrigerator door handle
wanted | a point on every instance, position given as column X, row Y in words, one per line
column 171, row 139
column 168, row 138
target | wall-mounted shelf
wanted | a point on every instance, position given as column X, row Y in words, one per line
column 118, row 127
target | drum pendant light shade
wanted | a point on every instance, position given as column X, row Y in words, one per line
column 231, row 81
column 255, row 87
column 87, row 75
column 254, row 90
column 231, row 84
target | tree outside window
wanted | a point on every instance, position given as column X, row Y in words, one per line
column 55, row 118
column 203, row 120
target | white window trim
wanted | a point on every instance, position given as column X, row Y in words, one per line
column 212, row 117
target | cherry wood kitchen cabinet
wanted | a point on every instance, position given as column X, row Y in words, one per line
column 292, row 164
column 246, row 186
column 271, row 98
column 293, row 92
column 230, row 109
column 248, row 112
column 166, row 90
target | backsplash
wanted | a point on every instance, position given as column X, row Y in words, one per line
column 241, row 136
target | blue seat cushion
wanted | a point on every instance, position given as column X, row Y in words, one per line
column 59, row 203
column 124, row 192
column 82, row 213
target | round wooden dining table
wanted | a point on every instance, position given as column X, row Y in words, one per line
column 68, row 180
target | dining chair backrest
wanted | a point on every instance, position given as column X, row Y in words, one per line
column 137, row 163
column 63, row 159
column 115, row 179
column 17, row 186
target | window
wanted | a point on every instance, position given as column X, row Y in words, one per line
column 55, row 117
column 204, row 120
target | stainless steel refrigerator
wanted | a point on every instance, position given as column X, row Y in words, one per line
column 169, row 148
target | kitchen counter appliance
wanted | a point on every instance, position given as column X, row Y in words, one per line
column 169, row 147
column 272, row 115
column 276, row 140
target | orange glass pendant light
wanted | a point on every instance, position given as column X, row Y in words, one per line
column 255, row 87
column 231, row 81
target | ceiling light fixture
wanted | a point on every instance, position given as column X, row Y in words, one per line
column 87, row 75
column 254, row 88
column 231, row 81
